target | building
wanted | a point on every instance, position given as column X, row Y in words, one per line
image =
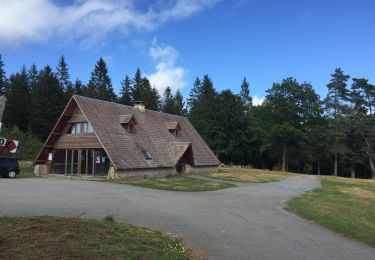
column 100, row 138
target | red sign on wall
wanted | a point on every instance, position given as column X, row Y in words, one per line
column 7, row 145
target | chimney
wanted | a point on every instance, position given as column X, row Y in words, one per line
column 140, row 105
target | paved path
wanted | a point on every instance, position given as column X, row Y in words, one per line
column 247, row 222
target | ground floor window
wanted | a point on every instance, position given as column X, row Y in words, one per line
column 80, row 162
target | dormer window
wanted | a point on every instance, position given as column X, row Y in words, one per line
column 174, row 128
column 128, row 122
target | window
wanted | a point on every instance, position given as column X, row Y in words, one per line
column 131, row 128
column 174, row 132
column 81, row 128
column 146, row 154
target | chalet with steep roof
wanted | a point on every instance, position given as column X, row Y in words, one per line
column 100, row 138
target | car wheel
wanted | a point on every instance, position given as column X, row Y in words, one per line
column 12, row 174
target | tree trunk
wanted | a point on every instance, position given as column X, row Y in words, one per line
column 372, row 167
column 318, row 167
column 370, row 153
column 335, row 166
column 352, row 172
column 283, row 167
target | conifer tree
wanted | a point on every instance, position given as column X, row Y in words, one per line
column 336, row 108
column 168, row 101
column 246, row 99
column 203, row 110
column 142, row 91
column 179, row 104
column 79, row 88
column 3, row 78
column 195, row 93
column 18, row 94
column 100, row 84
column 126, row 92
column 47, row 103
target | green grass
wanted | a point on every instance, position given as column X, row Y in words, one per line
column 176, row 183
column 75, row 238
column 344, row 205
column 248, row 175
column 27, row 170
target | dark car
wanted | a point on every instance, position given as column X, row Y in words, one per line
column 9, row 167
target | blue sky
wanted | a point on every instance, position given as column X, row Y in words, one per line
column 176, row 40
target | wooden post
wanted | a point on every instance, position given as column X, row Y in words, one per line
column 87, row 161
column 93, row 162
column 71, row 163
column 79, row 163
column 66, row 162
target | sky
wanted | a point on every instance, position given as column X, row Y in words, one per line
column 174, row 41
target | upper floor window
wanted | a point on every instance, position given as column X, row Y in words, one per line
column 81, row 128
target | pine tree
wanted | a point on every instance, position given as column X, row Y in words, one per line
column 64, row 78
column 203, row 114
column 179, row 104
column 126, row 92
column 47, row 103
column 195, row 93
column 362, row 122
column 246, row 99
column 100, row 84
column 33, row 76
column 336, row 107
column 79, row 88
column 168, row 101
column 18, row 94
column 142, row 91
column 3, row 78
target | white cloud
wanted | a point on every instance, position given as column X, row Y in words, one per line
column 25, row 21
column 166, row 74
column 257, row 101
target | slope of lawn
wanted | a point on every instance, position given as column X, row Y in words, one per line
column 176, row 183
column 248, row 175
column 344, row 205
column 75, row 238
column 26, row 169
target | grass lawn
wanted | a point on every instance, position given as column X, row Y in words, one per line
column 27, row 169
column 75, row 238
column 344, row 205
column 176, row 183
column 248, row 175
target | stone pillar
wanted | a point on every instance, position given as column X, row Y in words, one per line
column 112, row 173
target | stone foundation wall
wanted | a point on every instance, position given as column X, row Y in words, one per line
column 141, row 173
column 157, row 172
column 40, row 169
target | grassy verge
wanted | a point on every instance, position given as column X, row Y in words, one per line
column 27, row 169
column 344, row 205
column 248, row 175
column 176, row 183
column 74, row 238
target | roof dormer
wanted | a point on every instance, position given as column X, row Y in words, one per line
column 128, row 122
column 174, row 128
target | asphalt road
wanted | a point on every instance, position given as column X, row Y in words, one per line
column 247, row 222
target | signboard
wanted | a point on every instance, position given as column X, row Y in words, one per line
column 7, row 145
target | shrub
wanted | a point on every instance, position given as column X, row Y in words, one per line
column 28, row 146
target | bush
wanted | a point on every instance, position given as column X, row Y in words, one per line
column 28, row 146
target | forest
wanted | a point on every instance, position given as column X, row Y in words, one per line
column 294, row 129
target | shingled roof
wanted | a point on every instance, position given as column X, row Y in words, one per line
column 151, row 134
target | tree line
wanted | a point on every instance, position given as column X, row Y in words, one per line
column 292, row 130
